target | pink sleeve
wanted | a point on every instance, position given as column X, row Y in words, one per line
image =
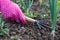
column 0, row 6
column 21, row 16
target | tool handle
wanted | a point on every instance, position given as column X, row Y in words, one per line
column 30, row 19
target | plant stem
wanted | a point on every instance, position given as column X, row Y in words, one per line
column 54, row 12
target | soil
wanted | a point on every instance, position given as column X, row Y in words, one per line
column 31, row 31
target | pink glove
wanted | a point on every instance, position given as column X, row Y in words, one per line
column 12, row 12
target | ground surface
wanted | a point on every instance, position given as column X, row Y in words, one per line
column 32, row 32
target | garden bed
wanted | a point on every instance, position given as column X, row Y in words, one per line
column 31, row 31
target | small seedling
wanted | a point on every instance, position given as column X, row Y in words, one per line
column 3, row 30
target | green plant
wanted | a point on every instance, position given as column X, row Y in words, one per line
column 28, row 5
column 58, row 5
column 15, row 38
column 3, row 31
column 25, row 5
column 54, row 12
column 14, row 1
column 41, row 1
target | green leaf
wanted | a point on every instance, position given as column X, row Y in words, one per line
column 14, row 1
column 28, row 5
column 5, row 31
column 58, row 5
column 54, row 12
column 41, row 1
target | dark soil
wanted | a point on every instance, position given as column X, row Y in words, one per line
column 31, row 31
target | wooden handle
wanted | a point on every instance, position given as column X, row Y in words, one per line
column 30, row 19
